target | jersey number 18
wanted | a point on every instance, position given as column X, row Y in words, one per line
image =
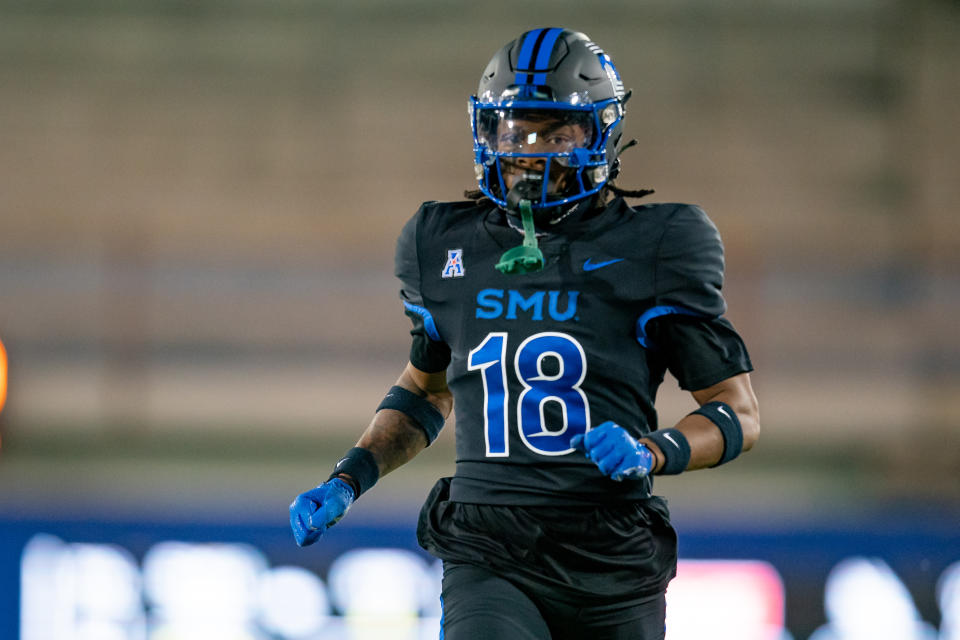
column 539, row 388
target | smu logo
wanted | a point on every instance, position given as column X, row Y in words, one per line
column 492, row 303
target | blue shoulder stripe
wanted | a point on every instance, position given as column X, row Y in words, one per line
column 428, row 323
column 656, row 312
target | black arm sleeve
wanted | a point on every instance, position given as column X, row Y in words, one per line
column 428, row 352
column 700, row 352
column 699, row 346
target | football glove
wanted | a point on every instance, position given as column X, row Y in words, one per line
column 615, row 452
column 315, row 511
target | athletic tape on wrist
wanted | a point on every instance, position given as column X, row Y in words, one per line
column 720, row 414
column 359, row 464
column 675, row 449
column 424, row 414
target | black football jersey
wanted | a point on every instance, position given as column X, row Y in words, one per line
column 535, row 359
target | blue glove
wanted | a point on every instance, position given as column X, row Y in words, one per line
column 616, row 453
column 315, row 511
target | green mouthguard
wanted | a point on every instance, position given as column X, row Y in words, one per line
column 527, row 257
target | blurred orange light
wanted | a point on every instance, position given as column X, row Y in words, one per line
column 3, row 380
column 3, row 375
column 725, row 599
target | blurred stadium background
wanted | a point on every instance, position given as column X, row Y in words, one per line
column 198, row 206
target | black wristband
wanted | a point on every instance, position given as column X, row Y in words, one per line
column 720, row 414
column 424, row 414
column 675, row 449
column 359, row 464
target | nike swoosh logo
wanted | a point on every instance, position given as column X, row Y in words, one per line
column 720, row 409
column 593, row 266
column 670, row 438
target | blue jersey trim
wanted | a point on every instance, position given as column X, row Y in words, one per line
column 442, row 612
column 428, row 323
column 656, row 312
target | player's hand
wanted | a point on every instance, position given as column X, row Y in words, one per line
column 616, row 453
column 315, row 511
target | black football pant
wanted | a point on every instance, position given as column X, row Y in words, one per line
column 481, row 605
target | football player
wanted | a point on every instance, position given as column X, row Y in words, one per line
column 550, row 309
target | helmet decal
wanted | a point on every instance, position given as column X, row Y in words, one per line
column 609, row 68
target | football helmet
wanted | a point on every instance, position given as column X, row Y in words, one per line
column 547, row 120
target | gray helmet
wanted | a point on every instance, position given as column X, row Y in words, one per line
column 547, row 117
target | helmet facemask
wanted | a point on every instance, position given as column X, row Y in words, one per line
column 558, row 148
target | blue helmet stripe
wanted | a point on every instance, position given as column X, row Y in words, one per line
column 526, row 52
column 543, row 56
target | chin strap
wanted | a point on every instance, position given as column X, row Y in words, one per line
column 527, row 257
